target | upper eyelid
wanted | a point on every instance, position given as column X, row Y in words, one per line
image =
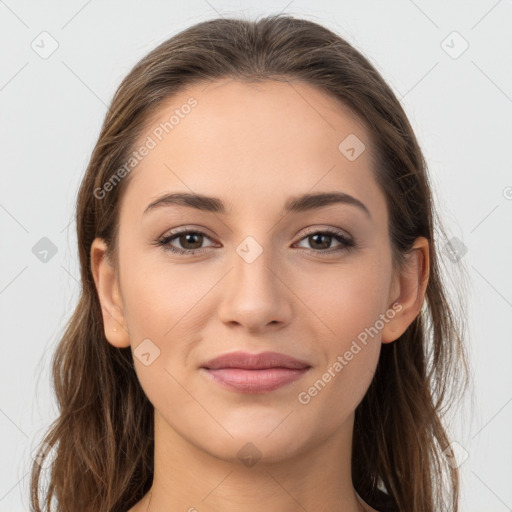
column 315, row 229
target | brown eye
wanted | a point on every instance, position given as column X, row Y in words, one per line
column 321, row 241
column 189, row 242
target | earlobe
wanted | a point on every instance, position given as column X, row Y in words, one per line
column 412, row 284
column 107, row 287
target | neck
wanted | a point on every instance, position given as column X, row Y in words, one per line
column 186, row 477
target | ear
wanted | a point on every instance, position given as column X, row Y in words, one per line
column 408, row 290
column 107, row 286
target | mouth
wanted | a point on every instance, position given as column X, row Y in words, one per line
column 254, row 373
column 254, row 381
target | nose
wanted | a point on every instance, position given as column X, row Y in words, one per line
column 255, row 294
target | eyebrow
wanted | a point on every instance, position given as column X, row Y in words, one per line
column 296, row 204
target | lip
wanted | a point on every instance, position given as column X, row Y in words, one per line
column 261, row 361
column 254, row 381
column 254, row 373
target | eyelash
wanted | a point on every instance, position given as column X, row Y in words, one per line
column 347, row 243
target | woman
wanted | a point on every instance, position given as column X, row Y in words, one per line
column 262, row 322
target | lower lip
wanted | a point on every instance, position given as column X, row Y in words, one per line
column 255, row 381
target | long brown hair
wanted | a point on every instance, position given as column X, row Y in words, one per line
column 103, row 438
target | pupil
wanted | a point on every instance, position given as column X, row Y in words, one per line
column 324, row 245
column 192, row 235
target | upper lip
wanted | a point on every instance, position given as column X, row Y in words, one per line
column 248, row 361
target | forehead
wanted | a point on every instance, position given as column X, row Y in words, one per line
column 251, row 141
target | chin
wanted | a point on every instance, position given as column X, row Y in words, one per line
column 254, row 443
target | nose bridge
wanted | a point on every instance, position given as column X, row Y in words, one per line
column 254, row 295
column 252, row 278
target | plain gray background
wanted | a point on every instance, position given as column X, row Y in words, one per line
column 458, row 99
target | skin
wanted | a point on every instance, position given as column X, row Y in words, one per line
column 253, row 146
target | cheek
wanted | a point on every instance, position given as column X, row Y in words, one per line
column 166, row 308
column 157, row 296
column 345, row 299
column 158, row 310
column 349, row 356
column 347, row 303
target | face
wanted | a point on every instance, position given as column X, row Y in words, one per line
column 313, row 282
